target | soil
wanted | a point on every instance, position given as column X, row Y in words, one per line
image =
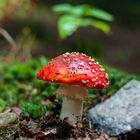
column 50, row 127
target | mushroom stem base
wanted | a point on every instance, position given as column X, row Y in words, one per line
column 72, row 109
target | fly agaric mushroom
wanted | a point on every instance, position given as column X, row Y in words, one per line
column 74, row 72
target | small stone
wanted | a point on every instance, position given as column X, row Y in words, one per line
column 120, row 113
column 7, row 118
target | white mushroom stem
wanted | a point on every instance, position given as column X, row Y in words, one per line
column 72, row 106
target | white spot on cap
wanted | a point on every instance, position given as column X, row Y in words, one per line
column 75, row 59
column 96, row 69
column 67, row 53
column 106, row 75
column 100, row 69
column 90, row 63
column 93, row 80
column 96, row 83
column 83, row 54
column 84, row 81
column 101, row 76
column 90, row 58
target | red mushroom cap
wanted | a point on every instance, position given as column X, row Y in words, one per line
column 75, row 69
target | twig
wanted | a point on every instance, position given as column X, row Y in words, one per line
column 8, row 38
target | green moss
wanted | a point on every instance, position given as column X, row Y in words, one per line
column 18, row 84
column 35, row 110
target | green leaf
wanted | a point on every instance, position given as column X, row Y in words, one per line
column 69, row 9
column 100, row 14
column 76, row 16
column 62, row 8
column 97, row 24
column 67, row 25
column 79, row 10
column 83, row 10
column 101, row 25
column 86, row 10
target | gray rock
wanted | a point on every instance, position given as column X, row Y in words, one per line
column 7, row 118
column 120, row 113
